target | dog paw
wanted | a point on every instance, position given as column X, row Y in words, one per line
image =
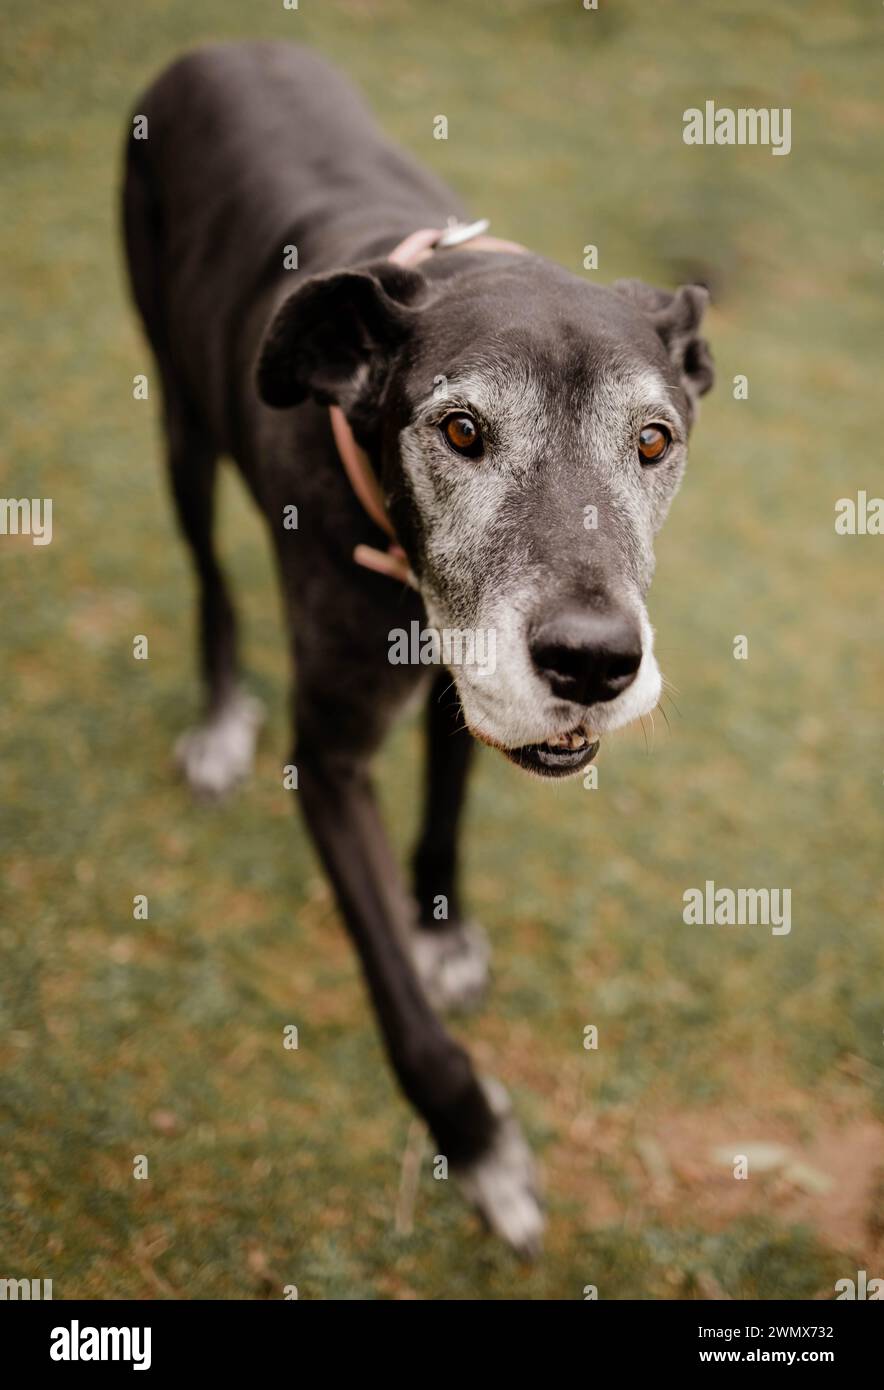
column 453, row 965
column 219, row 754
column 503, row 1183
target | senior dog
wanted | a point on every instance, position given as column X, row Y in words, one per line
column 445, row 433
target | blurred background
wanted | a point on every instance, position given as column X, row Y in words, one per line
column 164, row 1037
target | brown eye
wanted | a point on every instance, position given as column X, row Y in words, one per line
column 653, row 443
column 462, row 433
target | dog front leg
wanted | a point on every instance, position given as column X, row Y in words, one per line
column 449, row 755
column 471, row 1121
column 452, row 954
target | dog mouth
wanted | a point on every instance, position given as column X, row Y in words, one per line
column 560, row 755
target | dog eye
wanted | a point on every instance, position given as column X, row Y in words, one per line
column 653, row 443
column 463, row 434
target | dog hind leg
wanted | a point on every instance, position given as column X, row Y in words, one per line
column 219, row 753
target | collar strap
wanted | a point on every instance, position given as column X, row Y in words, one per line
column 416, row 247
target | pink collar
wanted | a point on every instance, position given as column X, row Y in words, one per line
column 415, row 248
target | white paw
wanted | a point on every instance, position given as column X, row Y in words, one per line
column 503, row 1184
column 217, row 755
column 453, row 964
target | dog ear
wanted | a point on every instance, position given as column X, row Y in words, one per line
column 327, row 336
column 677, row 317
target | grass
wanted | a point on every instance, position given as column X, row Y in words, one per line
column 164, row 1038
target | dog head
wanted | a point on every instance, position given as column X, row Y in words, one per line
column 530, row 430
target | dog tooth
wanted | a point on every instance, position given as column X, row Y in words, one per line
column 572, row 740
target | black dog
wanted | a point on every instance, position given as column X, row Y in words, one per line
column 526, row 432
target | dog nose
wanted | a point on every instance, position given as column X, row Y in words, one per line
column 587, row 655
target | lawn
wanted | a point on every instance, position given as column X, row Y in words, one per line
column 164, row 1038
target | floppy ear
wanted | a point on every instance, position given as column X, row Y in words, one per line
column 677, row 317
column 332, row 335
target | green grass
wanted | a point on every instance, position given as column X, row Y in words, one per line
column 164, row 1037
